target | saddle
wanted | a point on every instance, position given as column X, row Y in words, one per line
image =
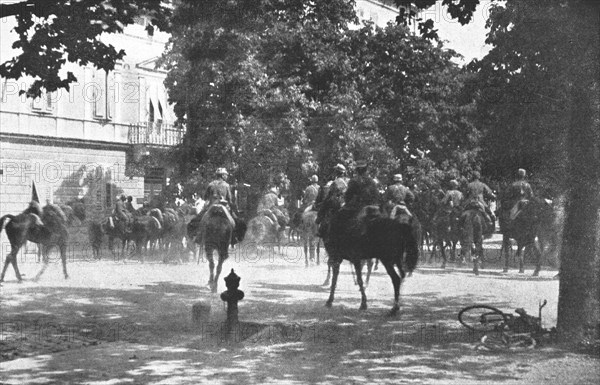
column 402, row 212
column 220, row 207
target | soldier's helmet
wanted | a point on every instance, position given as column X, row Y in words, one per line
column 398, row 178
column 339, row 167
column 314, row 179
column 522, row 173
column 453, row 184
column 221, row 171
column 476, row 175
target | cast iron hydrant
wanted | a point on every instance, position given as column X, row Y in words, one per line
column 232, row 295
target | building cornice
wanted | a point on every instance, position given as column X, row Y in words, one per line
column 51, row 141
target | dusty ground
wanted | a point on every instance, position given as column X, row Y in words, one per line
column 115, row 322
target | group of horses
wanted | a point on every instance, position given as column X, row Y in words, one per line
column 148, row 231
column 392, row 238
column 444, row 228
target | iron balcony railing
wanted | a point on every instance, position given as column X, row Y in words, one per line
column 155, row 133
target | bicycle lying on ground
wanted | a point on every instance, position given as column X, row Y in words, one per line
column 504, row 330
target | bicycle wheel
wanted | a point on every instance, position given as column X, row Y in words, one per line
column 482, row 318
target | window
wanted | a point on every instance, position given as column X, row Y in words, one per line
column 44, row 103
column 108, row 195
column 103, row 95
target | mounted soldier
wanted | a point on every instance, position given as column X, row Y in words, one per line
column 362, row 197
column 129, row 204
column 310, row 194
column 333, row 191
column 453, row 197
column 122, row 215
column 477, row 193
column 338, row 188
column 397, row 194
column 219, row 192
column 518, row 194
column 272, row 204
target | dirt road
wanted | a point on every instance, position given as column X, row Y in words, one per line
column 115, row 322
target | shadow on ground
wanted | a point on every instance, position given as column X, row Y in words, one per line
column 145, row 334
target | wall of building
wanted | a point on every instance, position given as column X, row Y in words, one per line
column 377, row 12
column 74, row 144
column 62, row 172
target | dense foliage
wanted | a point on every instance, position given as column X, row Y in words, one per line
column 52, row 32
column 302, row 89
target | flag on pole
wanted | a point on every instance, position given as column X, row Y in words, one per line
column 34, row 194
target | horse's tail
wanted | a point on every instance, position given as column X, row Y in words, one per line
column 411, row 246
column 4, row 221
column 467, row 233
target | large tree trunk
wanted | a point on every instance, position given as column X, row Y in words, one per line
column 579, row 292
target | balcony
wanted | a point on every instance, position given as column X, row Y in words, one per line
column 159, row 134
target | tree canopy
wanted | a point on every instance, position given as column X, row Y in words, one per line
column 299, row 91
column 53, row 32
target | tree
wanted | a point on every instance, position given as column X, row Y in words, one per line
column 52, row 32
column 239, row 73
column 542, row 113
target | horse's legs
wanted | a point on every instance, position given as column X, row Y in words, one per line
column 376, row 265
column 45, row 252
column 63, row 257
column 305, row 245
column 520, row 258
column 538, row 259
column 11, row 258
column 223, row 255
column 479, row 253
column 505, row 246
column 318, row 247
column 311, row 247
column 369, row 269
column 363, row 297
column 211, row 264
column 335, row 266
column 326, row 283
column 443, row 252
column 396, row 281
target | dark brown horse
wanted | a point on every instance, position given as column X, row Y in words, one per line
column 472, row 228
column 529, row 228
column 382, row 238
column 216, row 235
column 445, row 233
column 47, row 227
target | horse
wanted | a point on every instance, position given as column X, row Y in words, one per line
column 529, row 229
column 425, row 206
column 173, row 229
column 217, row 235
column 401, row 214
column 381, row 237
column 145, row 229
column 95, row 235
column 294, row 233
column 445, row 233
column 47, row 227
column 308, row 233
column 472, row 228
column 263, row 231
